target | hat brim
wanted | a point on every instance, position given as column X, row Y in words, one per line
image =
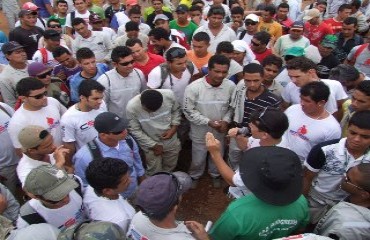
column 122, row 125
column 61, row 191
column 13, row 49
column 297, row 28
column 329, row 45
column 250, row 172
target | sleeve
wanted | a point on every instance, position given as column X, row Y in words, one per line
column 340, row 94
column 155, row 78
column 37, row 56
column 68, row 131
column 279, row 31
column 108, row 45
column 103, row 80
column 351, row 54
column 7, row 108
column 21, row 223
column 68, row 21
column 13, row 131
column 285, row 94
column 75, row 44
column 226, row 227
column 7, row 92
column 190, row 111
column 277, row 47
column 316, row 158
column 81, row 160
column 229, row 113
column 138, row 163
column 73, row 86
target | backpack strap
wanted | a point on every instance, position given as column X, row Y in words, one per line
column 137, row 73
column 164, row 73
column 130, row 142
column 28, row 214
column 94, row 149
column 242, row 34
column 78, row 189
column 4, row 110
column 44, row 55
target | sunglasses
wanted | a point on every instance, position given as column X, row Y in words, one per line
column 55, row 26
column 178, row 53
column 45, row 74
column 348, row 181
column 40, row 96
column 124, row 64
column 255, row 44
column 250, row 23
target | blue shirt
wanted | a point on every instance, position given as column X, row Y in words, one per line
column 75, row 81
column 43, row 12
column 131, row 157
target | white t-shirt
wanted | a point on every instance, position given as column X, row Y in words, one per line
column 118, row 211
column 178, row 84
column 78, row 126
column 305, row 132
column 111, row 34
column 143, row 28
column 63, row 217
column 85, row 16
column 41, row 231
column 50, row 61
column 291, row 94
column 47, row 117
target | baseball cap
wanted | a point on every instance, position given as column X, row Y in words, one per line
column 49, row 182
column 182, row 8
column 330, row 41
column 108, row 122
column 160, row 17
column 273, row 174
column 297, row 25
column 32, row 136
column 11, row 46
column 30, row 6
column 158, row 193
column 36, row 68
column 52, row 35
column 294, row 51
column 253, row 17
column 95, row 230
column 93, row 18
column 131, row 2
column 312, row 13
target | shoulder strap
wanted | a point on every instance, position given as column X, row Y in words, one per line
column 30, row 215
column 242, row 34
column 73, row 16
column 94, row 149
column 4, row 110
column 44, row 54
column 129, row 142
column 164, row 73
column 359, row 51
column 190, row 67
column 42, row 21
column 141, row 80
column 78, row 189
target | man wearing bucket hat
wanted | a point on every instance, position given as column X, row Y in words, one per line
column 276, row 207
column 328, row 60
column 158, row 199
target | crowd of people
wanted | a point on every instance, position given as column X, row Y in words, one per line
column 97, row 99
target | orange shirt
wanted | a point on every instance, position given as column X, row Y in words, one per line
column 198, row 62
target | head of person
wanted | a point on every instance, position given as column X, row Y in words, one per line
column 32, row 92
column 268, row 123
column 200, row 43
column 321, row 5
column 314, row 96
column 312, row 16
column 14, row 52
column 137, row 49
column 110, row 127
column 225, row 48
column 234, row 3
column 282, row 10
column 91, row 94
column 241, row 50
column 251, row 23
column 293, row 52
column 86, row 59
column 268, row 13
column 159, row 37
column 355, row 5
column 296, row 30
column 195, row 12
column 52, row 39
column 301, row 70
column 356, row 182
column 215, row 16
column 54, row 24
column 237, row 14
column 50, row 185
column 344, row 11
column 273, row 174
column 135, row 15
column 40, row 71
column 108, row 176
column 218, row 69
column 96, row 22
column 327, row 45
column 132, row 29
column 151, row 100
column 80, row 5
column 199, row 3
column 161, row 21
column 361, row 97
column 349, row 27
column 176, row 59
column 36, row 141
column 358, row 134
column 157, row 5
column 28, row 18
column 122, row 60
column 182, row 12
column 62, row 6
column 347, row 75
column 30, row 6
column 271, row 67
column 160, row 194
column 259, row 41
column 64, row 57
column 81, row 27
column 253, row 77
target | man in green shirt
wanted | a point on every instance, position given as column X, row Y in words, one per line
column 182, row 23
column 61, row 14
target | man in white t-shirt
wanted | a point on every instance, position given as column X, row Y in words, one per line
column 309, row 122
column 107, row 178
column 81, row 11
column 56, row 199
column 37, row 109
column 301, row 71
column 78, row 122
column 44, row 54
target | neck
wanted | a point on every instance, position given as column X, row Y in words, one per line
column 360, row 202
column 82, row 107
column 89, row 34
column 267, row 83
column 356, row 153
column 18, row 65
column 123, row 74
column 109, row 142
column 26, row 27
column 167, row 223
column 30, row 107
column 167, row 44
column 87, row 75
column 215, row 28
column 320, row 114
column 144, row 60
column 62, row 15
column 270, row 142
column 83, row 11
column 200, row 55
column 116, row 5
column 261, row 50
column 39, row 157
column 252, row 95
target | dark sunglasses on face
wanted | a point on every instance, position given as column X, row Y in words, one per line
column 255, row 44
column 124, row 64
column 250, row 23
column 40, row 96
column 45, row 74
column 55, row 26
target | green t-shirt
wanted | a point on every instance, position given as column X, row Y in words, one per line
column 250, row 218
column 98, row 10
column 62, row 21
column 188, row 30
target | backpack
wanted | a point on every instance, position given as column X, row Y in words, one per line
column 165, row 72
column 29, row 214
column 95, row 150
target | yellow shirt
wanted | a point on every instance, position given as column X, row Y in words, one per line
column 273, row 28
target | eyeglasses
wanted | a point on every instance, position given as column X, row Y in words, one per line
column 124, row 64
column 45, row 74
column 55, row 26
column 348, row 181
column 178, row 53
column 255, row 44
column 250, row 23
column 40, row 96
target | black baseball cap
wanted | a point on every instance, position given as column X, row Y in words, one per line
column 182, row 8
column 108, row 122
column 11, row 46
column 52, row 35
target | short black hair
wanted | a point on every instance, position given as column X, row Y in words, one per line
column 356, row 4
column 272, row 60
column 75, row 1
column 197, row 2
column 132, row 41
column 105, row 173
column 216, row 10
column 28, row 84
column 364, row 181
column 120, row 52
column 133, row 11
column 351, row 20
column 201, row 37
column 322, row 2
column 218, row 59
column 175, row 52
column 364, row 87
column 301, row 63
column 159, row 33
column 317, row 91
column 194, row 8
column 273, row 121
column 283, row 5
column 224, row 47
column 131, row 26
column 87, row 86
column 84, row 53
column 263, row 36
column 62, row 1
column 78, row 21
column 237, row 10
column 151, row 99
column 52, row 20
column 360, row 119
column 253, row 68
column 271, row 9
column 343, row 7
column 59, row 51
column 344, row 72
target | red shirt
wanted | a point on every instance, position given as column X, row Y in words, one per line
column 334, row 24
column 261, row 56
column 154, row 60
column 315, row 33
column 286, row 24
